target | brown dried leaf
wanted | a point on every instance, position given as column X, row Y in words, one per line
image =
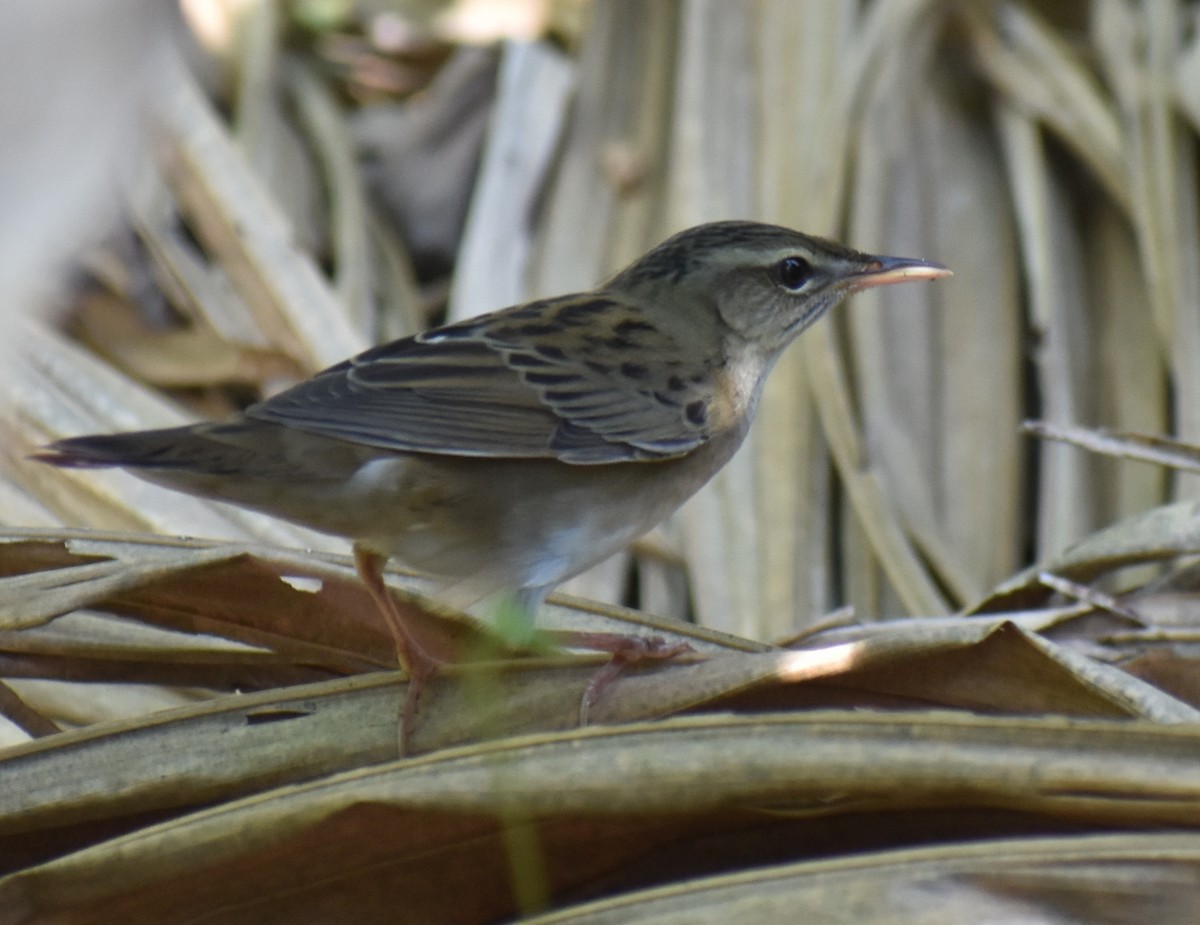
column 593, row 802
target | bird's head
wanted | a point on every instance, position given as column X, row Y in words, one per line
column 766, row 283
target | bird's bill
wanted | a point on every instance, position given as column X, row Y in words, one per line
column 883, row 271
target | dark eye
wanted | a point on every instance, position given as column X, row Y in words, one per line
column 793, row 273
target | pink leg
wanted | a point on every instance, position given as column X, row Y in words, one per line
column 626, row 650
column 413, row 657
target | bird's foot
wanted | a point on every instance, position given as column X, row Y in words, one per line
column 625, row 650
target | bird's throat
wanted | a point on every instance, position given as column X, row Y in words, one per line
column 738, row 386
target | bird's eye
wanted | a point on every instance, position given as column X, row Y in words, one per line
column 793, row 273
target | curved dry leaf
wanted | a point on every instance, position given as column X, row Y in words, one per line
column 249, row 235
column 1158, row 535
column 1150, row 448
column 593, row 803
column 1052, row 881
column 237, row 745
column 1043, row 75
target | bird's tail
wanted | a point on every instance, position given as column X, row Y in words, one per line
column 143, row 449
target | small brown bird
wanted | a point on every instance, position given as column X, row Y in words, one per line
column 512, row 451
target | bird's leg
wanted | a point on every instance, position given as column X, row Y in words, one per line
column 625, row 650
column 420, row 665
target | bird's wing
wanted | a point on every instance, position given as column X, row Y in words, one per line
column 583, row 379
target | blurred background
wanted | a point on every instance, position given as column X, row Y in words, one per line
column 206, row 203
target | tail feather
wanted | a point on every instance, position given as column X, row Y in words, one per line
column 266, row 467
column 235, row 450
column 144, row 449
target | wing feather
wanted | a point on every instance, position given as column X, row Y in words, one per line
column 553, row 379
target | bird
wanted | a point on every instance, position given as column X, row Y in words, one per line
column 511, row 451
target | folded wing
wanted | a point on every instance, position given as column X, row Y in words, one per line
column 565, row 378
